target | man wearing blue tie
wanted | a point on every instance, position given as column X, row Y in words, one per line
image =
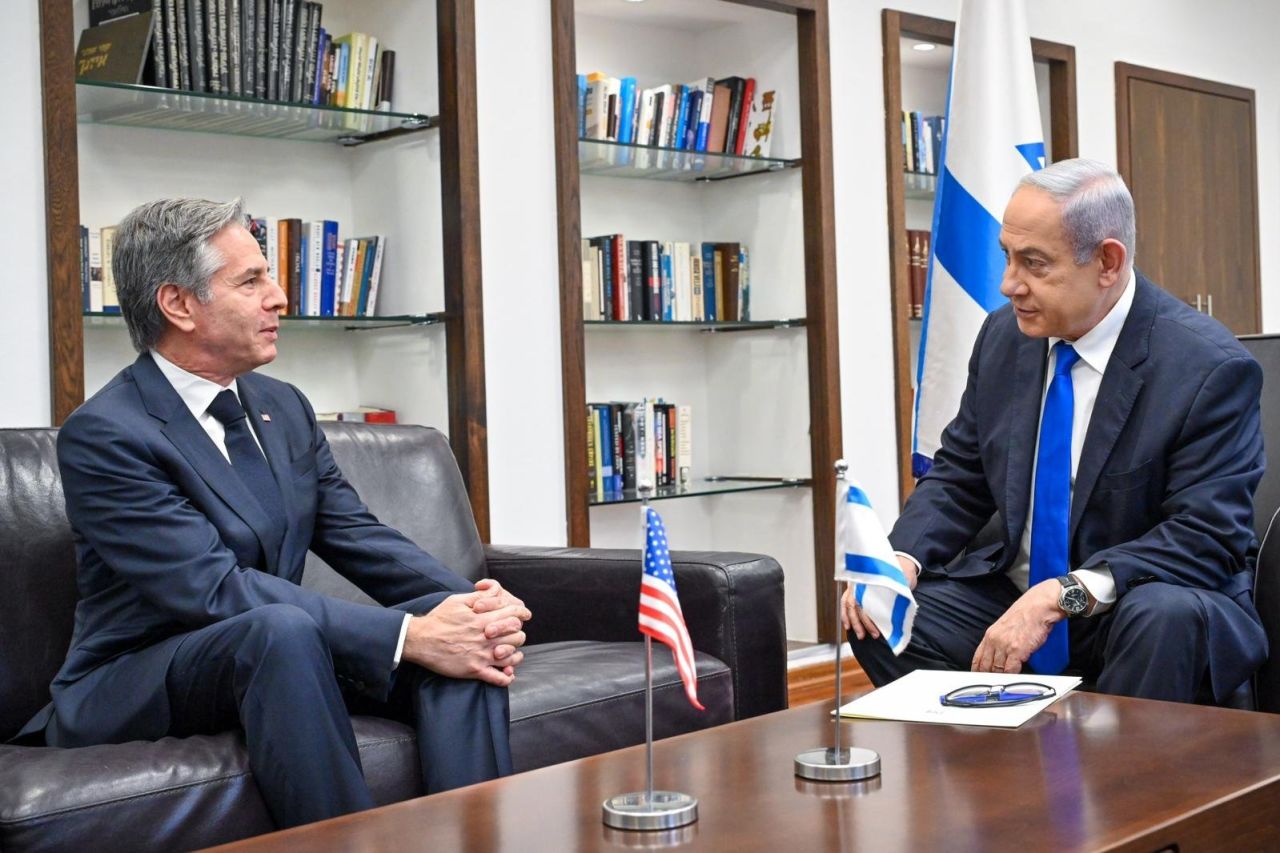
column 195, row 488
column 1110, row 437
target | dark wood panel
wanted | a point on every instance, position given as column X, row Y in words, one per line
column 825, row 438
column 817, row 683
column 1062, row 144
column 61, row 209
column 572, row 346
column 1092, row 772
column 463, row 293
column 1186, row 148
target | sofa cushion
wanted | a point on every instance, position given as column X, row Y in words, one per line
column 170, row 794
column 578, row 698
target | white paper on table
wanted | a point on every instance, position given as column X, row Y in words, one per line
column 916, row 698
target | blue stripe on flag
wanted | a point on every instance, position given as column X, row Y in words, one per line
column 1033, row 153
column 871, row 566
column 900, row 605
column 967, row 243
column 857, row 496
column 859, row 590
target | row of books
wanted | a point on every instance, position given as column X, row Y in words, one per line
column 272, row 50
column 321, row 275
column 97, row 283
column 729, row 115
column 361, row 414
column 673, row 280
column 629, row 443
column 922, row 141
column 919, row 243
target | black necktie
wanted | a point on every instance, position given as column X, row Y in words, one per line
column 246, row 456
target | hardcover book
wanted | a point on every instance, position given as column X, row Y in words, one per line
column 116, row 52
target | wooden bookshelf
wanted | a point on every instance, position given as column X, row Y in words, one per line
column 804, row 24
column 462, row 317
column 1062, row 144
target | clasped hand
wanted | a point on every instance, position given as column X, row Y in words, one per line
column 471, row 635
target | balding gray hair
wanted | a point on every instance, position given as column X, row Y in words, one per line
column 166, row 242
column 1096, row 205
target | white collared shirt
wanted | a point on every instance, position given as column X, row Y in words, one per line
column 197, row 394
column 1094, row 348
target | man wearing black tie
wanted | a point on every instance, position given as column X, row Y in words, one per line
column 195, row 488
column 1111, row 434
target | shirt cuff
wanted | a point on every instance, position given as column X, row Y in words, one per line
column 404, row 632
column 1101, row 585
column 913, row 560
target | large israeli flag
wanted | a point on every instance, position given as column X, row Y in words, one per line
column 866, row 559
column 993, row 137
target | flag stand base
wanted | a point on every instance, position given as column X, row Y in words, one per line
column 667, row 810
column 845, row 765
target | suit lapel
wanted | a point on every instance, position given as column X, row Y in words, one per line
column 190, row 439
column 1116, row 396
column 1024, row 423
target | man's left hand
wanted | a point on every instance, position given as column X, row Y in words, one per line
column 507, row 638
column 1022, row 629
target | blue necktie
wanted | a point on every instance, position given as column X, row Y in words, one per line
column 1052, row 512
column 246, row 457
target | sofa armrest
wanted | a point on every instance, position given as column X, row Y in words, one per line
column 732, row 604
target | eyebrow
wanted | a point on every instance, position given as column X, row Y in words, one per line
column 251, row 272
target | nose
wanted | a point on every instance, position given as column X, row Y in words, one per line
column 276, row 298
column 1010, row 284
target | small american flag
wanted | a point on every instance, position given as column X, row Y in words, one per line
column 660, row 614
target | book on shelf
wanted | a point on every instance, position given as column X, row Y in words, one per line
column 361, row 414
column 918, row 248
column 668, row 280
column 629, row 442
column 922, row 138
column 274, row 50
column 702, row 115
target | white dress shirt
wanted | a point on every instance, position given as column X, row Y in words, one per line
column 1094, row 348
column 197, row 394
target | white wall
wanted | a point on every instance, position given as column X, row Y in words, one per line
column 24, row 322
column 1228, row 41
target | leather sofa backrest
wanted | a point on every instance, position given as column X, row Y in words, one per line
column 37, row 574
column 408, row 478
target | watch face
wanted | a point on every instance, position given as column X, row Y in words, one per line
column 1074, row 600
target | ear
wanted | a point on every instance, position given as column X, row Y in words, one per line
column 1111, row 260
column 175, row 303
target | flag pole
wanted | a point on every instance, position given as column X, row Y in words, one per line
column 838, row 765
column 649, row 810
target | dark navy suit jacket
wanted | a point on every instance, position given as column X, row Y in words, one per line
column 1164, row 487
column 169, row 539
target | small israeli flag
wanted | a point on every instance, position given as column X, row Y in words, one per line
column 865, row 558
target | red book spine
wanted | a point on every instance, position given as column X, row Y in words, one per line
column 620, row 295
column 744, row 117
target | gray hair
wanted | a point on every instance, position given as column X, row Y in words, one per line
column 1096, row 205
column 166, row 242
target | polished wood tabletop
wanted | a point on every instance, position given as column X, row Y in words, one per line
column 1090, row 773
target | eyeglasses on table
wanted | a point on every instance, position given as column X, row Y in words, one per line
column 997, row 695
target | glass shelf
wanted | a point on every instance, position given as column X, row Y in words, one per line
column 697, row 325
column 616, row 160
column 919, row 185
column 351, row 324
column 201, row 112
column 707, row 486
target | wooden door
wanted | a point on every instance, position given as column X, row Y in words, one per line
column 1186, row 148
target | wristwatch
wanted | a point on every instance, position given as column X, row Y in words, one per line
column 1074, row 599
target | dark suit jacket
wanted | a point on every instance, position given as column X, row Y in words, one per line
column 169, row 539
column 1164, row 487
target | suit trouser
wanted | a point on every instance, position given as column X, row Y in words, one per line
column 270, row 671
column 1152, row 644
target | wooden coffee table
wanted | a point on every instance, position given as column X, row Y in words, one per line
column 1091, row 773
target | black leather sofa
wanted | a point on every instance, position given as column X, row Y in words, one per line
column 579, row 691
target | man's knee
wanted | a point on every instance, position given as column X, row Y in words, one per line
column 282, row 630
column 1158, row 612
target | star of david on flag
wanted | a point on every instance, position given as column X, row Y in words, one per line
column 660, row 614
column 866, row 559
